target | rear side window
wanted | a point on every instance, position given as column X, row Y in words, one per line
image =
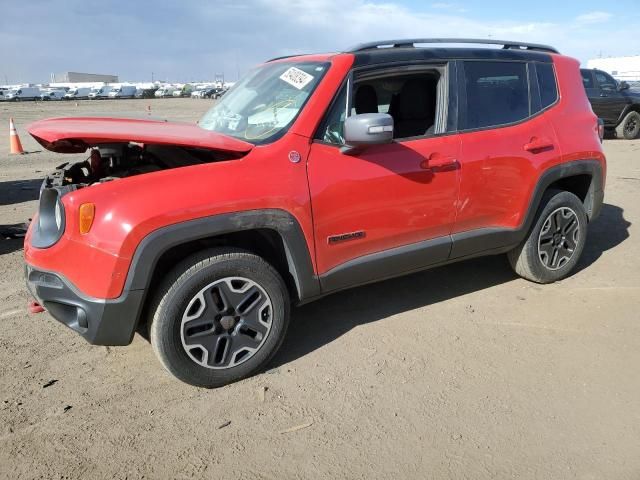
column 546, row 84
column 497, row 93
column 587, row 79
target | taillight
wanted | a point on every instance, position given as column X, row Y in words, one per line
column 601, row 129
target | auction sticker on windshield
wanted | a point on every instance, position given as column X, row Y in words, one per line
column 296, row 77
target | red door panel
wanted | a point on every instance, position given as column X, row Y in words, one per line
column 396, row 194
column 499, row 171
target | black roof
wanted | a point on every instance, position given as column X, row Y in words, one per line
column 403, row 50
column 411, row 54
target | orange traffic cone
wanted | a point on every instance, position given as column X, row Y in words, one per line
column 14, row 139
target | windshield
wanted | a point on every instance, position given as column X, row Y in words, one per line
column 262, row 105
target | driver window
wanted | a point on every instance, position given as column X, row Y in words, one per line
column 410, row 98
column 606, row 82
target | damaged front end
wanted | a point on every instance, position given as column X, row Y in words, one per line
column 125, row 147
column 118, row 148
column 107, row 162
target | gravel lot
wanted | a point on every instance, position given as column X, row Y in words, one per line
column 459, row 372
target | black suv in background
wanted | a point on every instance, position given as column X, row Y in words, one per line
column 613, row 102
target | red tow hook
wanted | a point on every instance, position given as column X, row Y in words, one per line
column 35, row 307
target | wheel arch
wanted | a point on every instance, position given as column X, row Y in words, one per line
column 274, row 234
column 631, row 107
column 583, row 178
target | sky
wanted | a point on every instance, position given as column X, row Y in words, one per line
column 192, row 40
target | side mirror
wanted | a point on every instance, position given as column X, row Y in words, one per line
column 623, row 85
column 367, row 129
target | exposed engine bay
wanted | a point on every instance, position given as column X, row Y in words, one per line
column 107, row 162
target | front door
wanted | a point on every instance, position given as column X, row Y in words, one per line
column 610, row 102
column 386, row 196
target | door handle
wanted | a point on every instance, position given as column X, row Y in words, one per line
column 436, row 162
column 536, row 144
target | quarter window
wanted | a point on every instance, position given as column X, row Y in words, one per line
column 332, row 128
column 497, row 93
column 546, row 84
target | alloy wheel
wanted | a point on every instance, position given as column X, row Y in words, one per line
column 631, row 125
column 558, row 238
column 226, row 322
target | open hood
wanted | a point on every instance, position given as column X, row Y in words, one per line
column 75, row 135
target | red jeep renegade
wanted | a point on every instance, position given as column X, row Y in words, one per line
column 314, row 174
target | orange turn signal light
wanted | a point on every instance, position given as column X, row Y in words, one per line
column 87, row 212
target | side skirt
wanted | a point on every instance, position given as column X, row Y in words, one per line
column 415, row 258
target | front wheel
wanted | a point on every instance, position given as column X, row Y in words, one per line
column 554, row 245
column 220, row 316
column 629, row 128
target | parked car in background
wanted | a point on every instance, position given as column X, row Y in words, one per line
column 123, row 91
column 146, row 92
column 185, row 91
column 206, row 92
column 100, row 92
column 77, row 93
column 165, row 92
column 52, row 95
column 282, row 194
column 614, row 102
column 217, row 93
column 3, row 91
column 23, row 93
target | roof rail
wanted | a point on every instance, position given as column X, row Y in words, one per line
column 284, row 56
column 409, row 43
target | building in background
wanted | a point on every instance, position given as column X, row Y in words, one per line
column 77, row 77
column 621, row 68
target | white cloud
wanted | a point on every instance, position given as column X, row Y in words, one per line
column 593, row 17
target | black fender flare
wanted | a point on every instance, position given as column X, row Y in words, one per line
column 629, row 107
column 156, row 243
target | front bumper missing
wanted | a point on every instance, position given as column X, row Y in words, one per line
column 99, row 321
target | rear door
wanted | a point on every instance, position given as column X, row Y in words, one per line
column 506, row 142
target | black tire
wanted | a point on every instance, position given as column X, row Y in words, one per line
column 629, row 128
column 553, row 248
column 212, row 273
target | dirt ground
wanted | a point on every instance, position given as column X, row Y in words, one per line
column 459, row 372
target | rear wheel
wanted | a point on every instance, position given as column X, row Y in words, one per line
column 220, row 316
column 629, row 128
column 554, row 245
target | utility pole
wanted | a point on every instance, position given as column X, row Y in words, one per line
column 151, row 77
